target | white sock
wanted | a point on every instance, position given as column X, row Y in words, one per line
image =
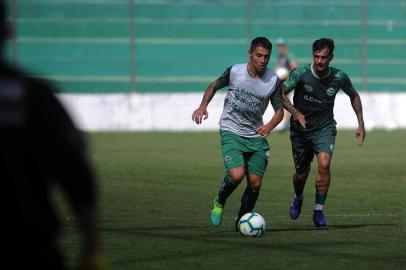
column 318, row 207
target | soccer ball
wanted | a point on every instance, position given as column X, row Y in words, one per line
column 251, row 224
column 282, row 73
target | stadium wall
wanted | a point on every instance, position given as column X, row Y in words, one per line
column 156, row 46
column 172, row 111
column 143, row 64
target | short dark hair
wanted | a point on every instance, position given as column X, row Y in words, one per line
column 261, row 42
column 324, row 43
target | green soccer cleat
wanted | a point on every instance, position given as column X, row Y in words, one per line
column 216, row 214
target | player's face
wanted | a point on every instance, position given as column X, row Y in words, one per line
column 321, row 59
column 259, row 58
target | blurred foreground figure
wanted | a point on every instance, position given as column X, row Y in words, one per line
column 40, row 147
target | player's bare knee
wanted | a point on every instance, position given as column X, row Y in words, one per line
column 324, row 160
column 236, row 175
column 324, row 166
column 256, row 185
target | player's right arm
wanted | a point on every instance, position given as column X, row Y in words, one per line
column 288, row 86
column 201, row 113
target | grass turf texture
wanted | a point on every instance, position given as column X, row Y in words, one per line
column 156, row 190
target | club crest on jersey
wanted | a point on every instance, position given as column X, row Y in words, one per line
column 228, row 159
column 331, row 91
column 308, row 88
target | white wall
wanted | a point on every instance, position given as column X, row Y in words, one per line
column 172, row 111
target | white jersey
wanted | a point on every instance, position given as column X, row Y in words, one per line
column 247, row 99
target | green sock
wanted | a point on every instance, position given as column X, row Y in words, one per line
column 320, row 198
column 227, row 187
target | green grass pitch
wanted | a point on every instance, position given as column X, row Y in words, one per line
column 156, row 190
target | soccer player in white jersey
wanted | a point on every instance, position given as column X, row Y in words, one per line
column 251, row 86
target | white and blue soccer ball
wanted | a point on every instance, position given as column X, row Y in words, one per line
column 252, row 224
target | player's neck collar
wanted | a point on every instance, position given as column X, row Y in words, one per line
column 256, row 75
column 317, row 76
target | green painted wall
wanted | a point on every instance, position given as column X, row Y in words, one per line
column 85, row 46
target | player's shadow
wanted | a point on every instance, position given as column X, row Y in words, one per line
column 172, row 231
column 330, row 227
column 219, row 239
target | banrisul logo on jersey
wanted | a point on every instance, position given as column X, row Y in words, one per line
column 331, row 91
column 308, row 88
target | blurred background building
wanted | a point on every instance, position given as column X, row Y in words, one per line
column 143, row 64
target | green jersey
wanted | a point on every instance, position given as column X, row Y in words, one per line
column 314, row 96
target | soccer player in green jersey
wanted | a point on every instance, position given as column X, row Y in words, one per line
column 313, row 128
column 251, row 86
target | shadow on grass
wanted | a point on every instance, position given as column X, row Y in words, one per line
column 193, row 230
column 331, row 227
column 199, row 242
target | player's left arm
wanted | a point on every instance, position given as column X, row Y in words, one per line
column 277, row 104
column 357, row 107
